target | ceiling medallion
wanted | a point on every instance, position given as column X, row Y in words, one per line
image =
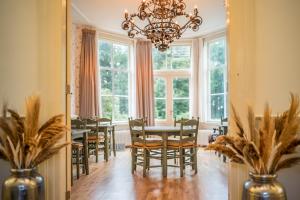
column 160, row 16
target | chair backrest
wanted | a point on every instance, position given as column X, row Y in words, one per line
column 77, row 123
column 137, row 130
column 179, row 121
column 104, row 120
column 145, row 119
column 189, row 131
column 94, row 130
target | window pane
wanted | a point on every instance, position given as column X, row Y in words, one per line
column 181, row 108
column 181, row 87
column 217, row 53
column 181, row 57
column 217, row 106
column 106, row 82
column 158, row 59
column 160, row 109
column 120, row 108
column 120, row 56
column 217, row 80
column 159, row 87
column 120, row 83
column 169, row 59
column 107, row 103
column 105, row 54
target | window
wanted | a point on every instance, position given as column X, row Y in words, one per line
column 177, row 57
column 172, row 82
column 114, row 76
column 181, row 98
column 160, row 98
column 217, row 79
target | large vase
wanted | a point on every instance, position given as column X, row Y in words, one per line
column 263, row 187
column 20, row 186
column 40, row 183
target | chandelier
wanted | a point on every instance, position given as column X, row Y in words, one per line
column 160, row 18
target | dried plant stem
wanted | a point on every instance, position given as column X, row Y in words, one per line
column 263, row 149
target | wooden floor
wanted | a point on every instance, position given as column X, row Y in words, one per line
column 113, row 181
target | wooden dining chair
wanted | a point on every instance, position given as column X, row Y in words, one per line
column 186, row 141
column 78, row 156
column 111, row 131
column 95, row 139
column 139, row 141
column 177, row 122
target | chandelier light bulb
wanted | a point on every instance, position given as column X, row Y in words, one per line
column 126, row 13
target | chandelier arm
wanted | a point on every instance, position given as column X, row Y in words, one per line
column 135, row 26
column 161, row 28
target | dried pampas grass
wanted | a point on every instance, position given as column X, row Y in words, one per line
column 23, row 143
column 268, row 149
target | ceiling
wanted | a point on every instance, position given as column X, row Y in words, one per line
column 107, row 15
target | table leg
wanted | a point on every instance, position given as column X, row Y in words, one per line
column 105, row 145
column 86, row 155
column 114, row 141
column 165, row 160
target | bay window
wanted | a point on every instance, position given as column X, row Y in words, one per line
column 114, row 80
column 217, row 79
column 172, row 82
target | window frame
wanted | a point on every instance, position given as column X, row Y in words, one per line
column 169, row 75
column 114, row 70
column 209, row 69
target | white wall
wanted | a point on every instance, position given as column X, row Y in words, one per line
column 264, row 66
column 33, row 61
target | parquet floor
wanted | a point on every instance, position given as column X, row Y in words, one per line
column 113, row 181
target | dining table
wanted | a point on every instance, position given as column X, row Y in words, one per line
column 105, row 127
column 164, row 132
column 82, row 134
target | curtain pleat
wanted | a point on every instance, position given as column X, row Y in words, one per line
column 88, row 91
column 144, row 81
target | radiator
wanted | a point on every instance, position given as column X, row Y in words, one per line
column 122, row 138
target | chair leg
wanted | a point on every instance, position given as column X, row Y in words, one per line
column 195, row 164
column 144, row 162
column 106, row 147
column 175, row 157
column 133, row 154
column 183, row 154
column 192, row 152
column 77, row 163
column 148, row 159
column 114, row 142
column 181, row 158
column 83, row 160
column 97, row 151
column 110, row 146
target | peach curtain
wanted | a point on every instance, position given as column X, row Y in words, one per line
column 144, row 81
column 88, row 90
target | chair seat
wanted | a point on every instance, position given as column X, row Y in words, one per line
column 94, row 138
column 76, row 145
column 150, row 142
column 177, row 143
